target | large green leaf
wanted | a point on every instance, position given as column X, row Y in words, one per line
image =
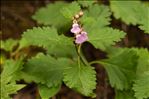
column 48, row 38
column 141, row 86
column 131, row 12
column 51, row 15
column 105, row 37
column 95, row 22
column 45, row 69
column 121, row 67
column 81, row 79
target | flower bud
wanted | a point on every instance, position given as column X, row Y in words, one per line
column 76, row 16
column 81, row 13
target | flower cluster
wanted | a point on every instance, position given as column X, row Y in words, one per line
column 80, row 34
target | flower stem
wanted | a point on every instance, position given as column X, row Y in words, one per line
column 79, row 50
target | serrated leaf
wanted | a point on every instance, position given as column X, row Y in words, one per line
column 47, row 92
column 124, row 94
column 141, row 86
column 48, row 38
column 105, row 37
column 101, row 15
column 8, row 89
column 86, row 3
column 95, row 21
column 8, row 85
column 51, row 15
column 70, row 10
column 39, row 36
column 121, row 68
column 45, row 69
column 126, row 10
column 144, row 18
column 143, row 61
column 8, row 45
column 63, row 48
column 81, row 79
column 11, row 67
column 131, row 12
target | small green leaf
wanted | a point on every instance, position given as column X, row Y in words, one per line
column 8, row 85
column 9, row 44
column 81, row 79
column 47, row 92
column 11, row 67
column 11, row 88
column 70, row 10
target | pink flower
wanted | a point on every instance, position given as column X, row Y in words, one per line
column 75, row 28
column 80, row 38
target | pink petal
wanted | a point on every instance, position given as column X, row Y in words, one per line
column 80, row 38
column 75, row 30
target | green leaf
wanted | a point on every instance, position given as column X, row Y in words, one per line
column 131, row 12
column 121, row 67
column 51, row 15
column 141, row 86
column 126, row 10
column 11, row 67
column 47, row 37
column 11, row 88
column 81, row 79
column 86, row 3
column 101, row 15
column 95, row 21
column 144, row 18
column 45, row 69
column 62, row 48
column 8, row 85
column 47, row 92
column 143, row 61
column 124, row 94
column 70, row 10
column 39, row 36
column 105, row 37
column 9, row 44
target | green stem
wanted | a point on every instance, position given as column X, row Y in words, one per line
column 95, row 62
column 79, row 50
